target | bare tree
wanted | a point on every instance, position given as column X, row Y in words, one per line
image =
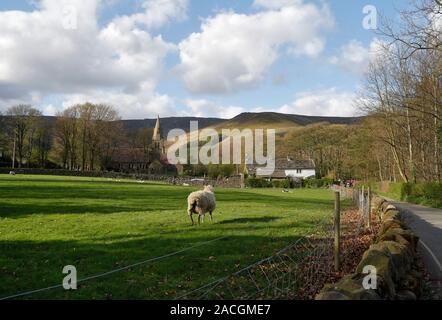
column 23, row 122
column 419, row 30
column 87, row 136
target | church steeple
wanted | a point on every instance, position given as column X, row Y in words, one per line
column 157, row 131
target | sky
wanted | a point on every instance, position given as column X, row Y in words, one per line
column 209, row 58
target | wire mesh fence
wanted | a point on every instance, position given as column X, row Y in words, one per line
column 361, row 198
column 296, row 272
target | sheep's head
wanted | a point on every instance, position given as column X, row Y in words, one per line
column 208, row 188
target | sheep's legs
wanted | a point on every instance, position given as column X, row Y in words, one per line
column 211, row 218
column 199, row 219
column 191, row 219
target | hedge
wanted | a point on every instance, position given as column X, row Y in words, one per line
column 428, row 194
column 318, row 183
column 263, row 183
column 423, row 193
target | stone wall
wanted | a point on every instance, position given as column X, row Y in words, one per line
column 232, row 182
column 394, row 255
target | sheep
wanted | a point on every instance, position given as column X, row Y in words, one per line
column 201, row 202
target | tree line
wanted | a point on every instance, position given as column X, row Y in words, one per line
column 402, row 94
column 400, row 137
column 83, row 137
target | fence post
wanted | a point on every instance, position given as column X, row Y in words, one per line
column 337, row 227
column 363, row 201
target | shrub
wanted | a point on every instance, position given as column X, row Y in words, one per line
column 253, row 182
column 258, row 183
column 318, row 183
column 433, row 191
column 282, row 184
column 224, row 171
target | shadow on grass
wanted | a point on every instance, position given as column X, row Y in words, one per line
column 22, row 201
column 81, row 180
column 28, row 265
column 12, row 211
column 250, row 220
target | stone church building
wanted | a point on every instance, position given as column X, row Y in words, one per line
column 150, row 160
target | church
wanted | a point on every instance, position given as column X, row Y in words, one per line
column 150, row 160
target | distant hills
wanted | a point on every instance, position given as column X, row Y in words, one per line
column 170, row 123
column 245, row 120
column 279, row 120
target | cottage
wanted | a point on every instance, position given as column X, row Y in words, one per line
column 288, row 168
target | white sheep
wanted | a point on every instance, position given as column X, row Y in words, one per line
column 201, row 202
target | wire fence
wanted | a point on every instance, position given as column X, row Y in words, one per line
column 298, row 271
column 361, row 198
column 113, row 271
column 295, row 272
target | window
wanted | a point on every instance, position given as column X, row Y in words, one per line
column 299, row 171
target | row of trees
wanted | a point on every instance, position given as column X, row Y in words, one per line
column 83, row 137
column 339, row 151
column 86, row 136
column 26, row 135
column 403, row 96
column 324, row 143
column 400, row 139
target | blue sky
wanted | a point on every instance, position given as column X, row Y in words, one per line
column 147, row 74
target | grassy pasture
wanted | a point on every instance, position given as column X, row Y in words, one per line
column 98, row 225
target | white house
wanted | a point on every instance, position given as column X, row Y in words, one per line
column 288, row 168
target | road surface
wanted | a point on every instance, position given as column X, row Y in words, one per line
column 427, row 224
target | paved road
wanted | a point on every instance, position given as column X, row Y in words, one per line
column 427, row 224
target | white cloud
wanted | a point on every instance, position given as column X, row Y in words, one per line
column 275, row 4
column 157, row 13
column 143, row 104
column 355, row 58
column 234, row 51
column 329, row 102
column 40, row 57
column 206, row 108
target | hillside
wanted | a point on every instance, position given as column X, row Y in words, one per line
column 244, row 120
column 167, row 124
column 170, row 123
column 279, row 120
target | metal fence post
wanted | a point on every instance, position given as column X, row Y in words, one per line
column 337, row 227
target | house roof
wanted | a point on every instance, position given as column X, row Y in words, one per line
column 279, row 174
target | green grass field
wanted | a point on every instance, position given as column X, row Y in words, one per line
column 98, row 225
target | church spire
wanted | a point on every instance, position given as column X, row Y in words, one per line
column 157, row 131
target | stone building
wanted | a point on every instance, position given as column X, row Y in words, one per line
column 288, row 168
column 152, row 160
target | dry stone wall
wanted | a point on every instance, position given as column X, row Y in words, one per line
column 232, row 182
column 394, row 255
